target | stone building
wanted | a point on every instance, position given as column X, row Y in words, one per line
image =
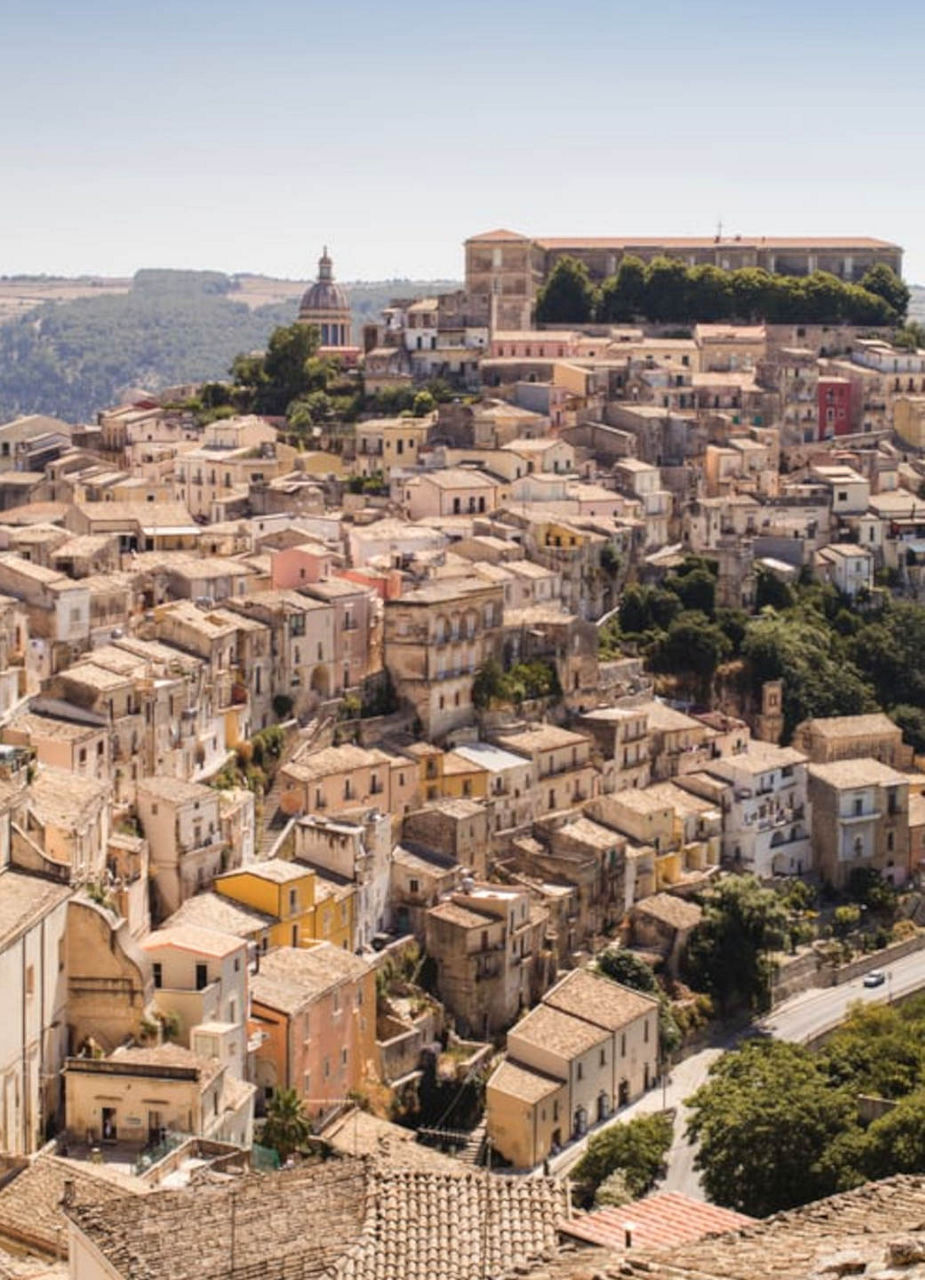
column 873, row 737
column 860, row 816
column 437, row 636
column 588, row 1049
column 505, row 270
column 488, row 942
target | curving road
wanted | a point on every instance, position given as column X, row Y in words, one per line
column 806, row 1017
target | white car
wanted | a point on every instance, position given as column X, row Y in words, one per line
column 875, row 978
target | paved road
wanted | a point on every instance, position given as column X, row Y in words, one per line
column 807, row 1016
column 801, row 1019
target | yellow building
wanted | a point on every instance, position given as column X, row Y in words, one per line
column 462, row 779
column 303, row 910
column 909, row 419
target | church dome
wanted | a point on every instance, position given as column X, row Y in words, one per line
column 324, row 296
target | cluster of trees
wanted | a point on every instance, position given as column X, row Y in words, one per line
column 837, row 660
column 290, row 379
column 667, row 291
column 521, row 682
column 834, row 659
column 73, row 358
column 623, row 1162
column 804, row 1106
column 677, row 626
column 729, row 952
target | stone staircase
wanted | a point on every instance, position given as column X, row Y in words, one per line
column 473, row 1153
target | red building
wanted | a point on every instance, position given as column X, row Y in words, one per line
column 836, row 407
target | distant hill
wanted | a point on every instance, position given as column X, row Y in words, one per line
column 70, row 358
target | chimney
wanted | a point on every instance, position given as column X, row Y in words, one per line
column 628, row 1229
column 67, row 1198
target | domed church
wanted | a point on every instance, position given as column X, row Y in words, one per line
column 325, row 305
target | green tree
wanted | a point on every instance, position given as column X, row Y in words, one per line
column 885, row 283
column 710, row 290
column 692, row 644
column 695, row 589
column 487, row 684
column 772, row 591
column 895, row 1143
column 912, row 722
column 567, row 297
column 287, row 1126
column 285, row 367
column 824, row 297
column 728, row 951
column 764, row 1121
column 910, row 338
column 423, row 404
column 667, row 290
column 750, row 288
column 629, row 969
column 877, row 1050
column 623, row 296
column 804, row 651
column 637, row 1148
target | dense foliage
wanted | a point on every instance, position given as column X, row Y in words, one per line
column 522, row 681
column 637, row 1149
column 728, row 952
column 834, row 657
column 779, row 1125
column 667, row 291
column 71, row 359
column 287, row 1126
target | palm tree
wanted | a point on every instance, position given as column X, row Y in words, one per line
column 287, row 1126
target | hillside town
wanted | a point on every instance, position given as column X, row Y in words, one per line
column 425, row 753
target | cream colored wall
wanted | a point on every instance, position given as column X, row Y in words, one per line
column 33, row 1029
column 177, row 1101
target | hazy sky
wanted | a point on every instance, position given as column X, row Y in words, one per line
column 241, row 136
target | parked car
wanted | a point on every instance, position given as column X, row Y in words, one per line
column 875, row 978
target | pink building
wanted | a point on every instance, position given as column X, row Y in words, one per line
column 527, row 344
column 293, row 567
column 315, row 1008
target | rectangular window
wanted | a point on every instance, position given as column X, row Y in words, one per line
column 158, row 973
column 202, row 976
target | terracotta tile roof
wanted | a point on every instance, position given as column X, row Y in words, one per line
column 704, row 242
column 659, row 1221
column 344, row 1220
column 598, row 1000
column 556, row 1031
column 524, row 1083
column 359, row 1133
column 669, row 909
column 30, row 1205
column 24, row 900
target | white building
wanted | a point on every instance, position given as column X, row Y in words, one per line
column 200, row 976
column 766, row 826
column 33, row 983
